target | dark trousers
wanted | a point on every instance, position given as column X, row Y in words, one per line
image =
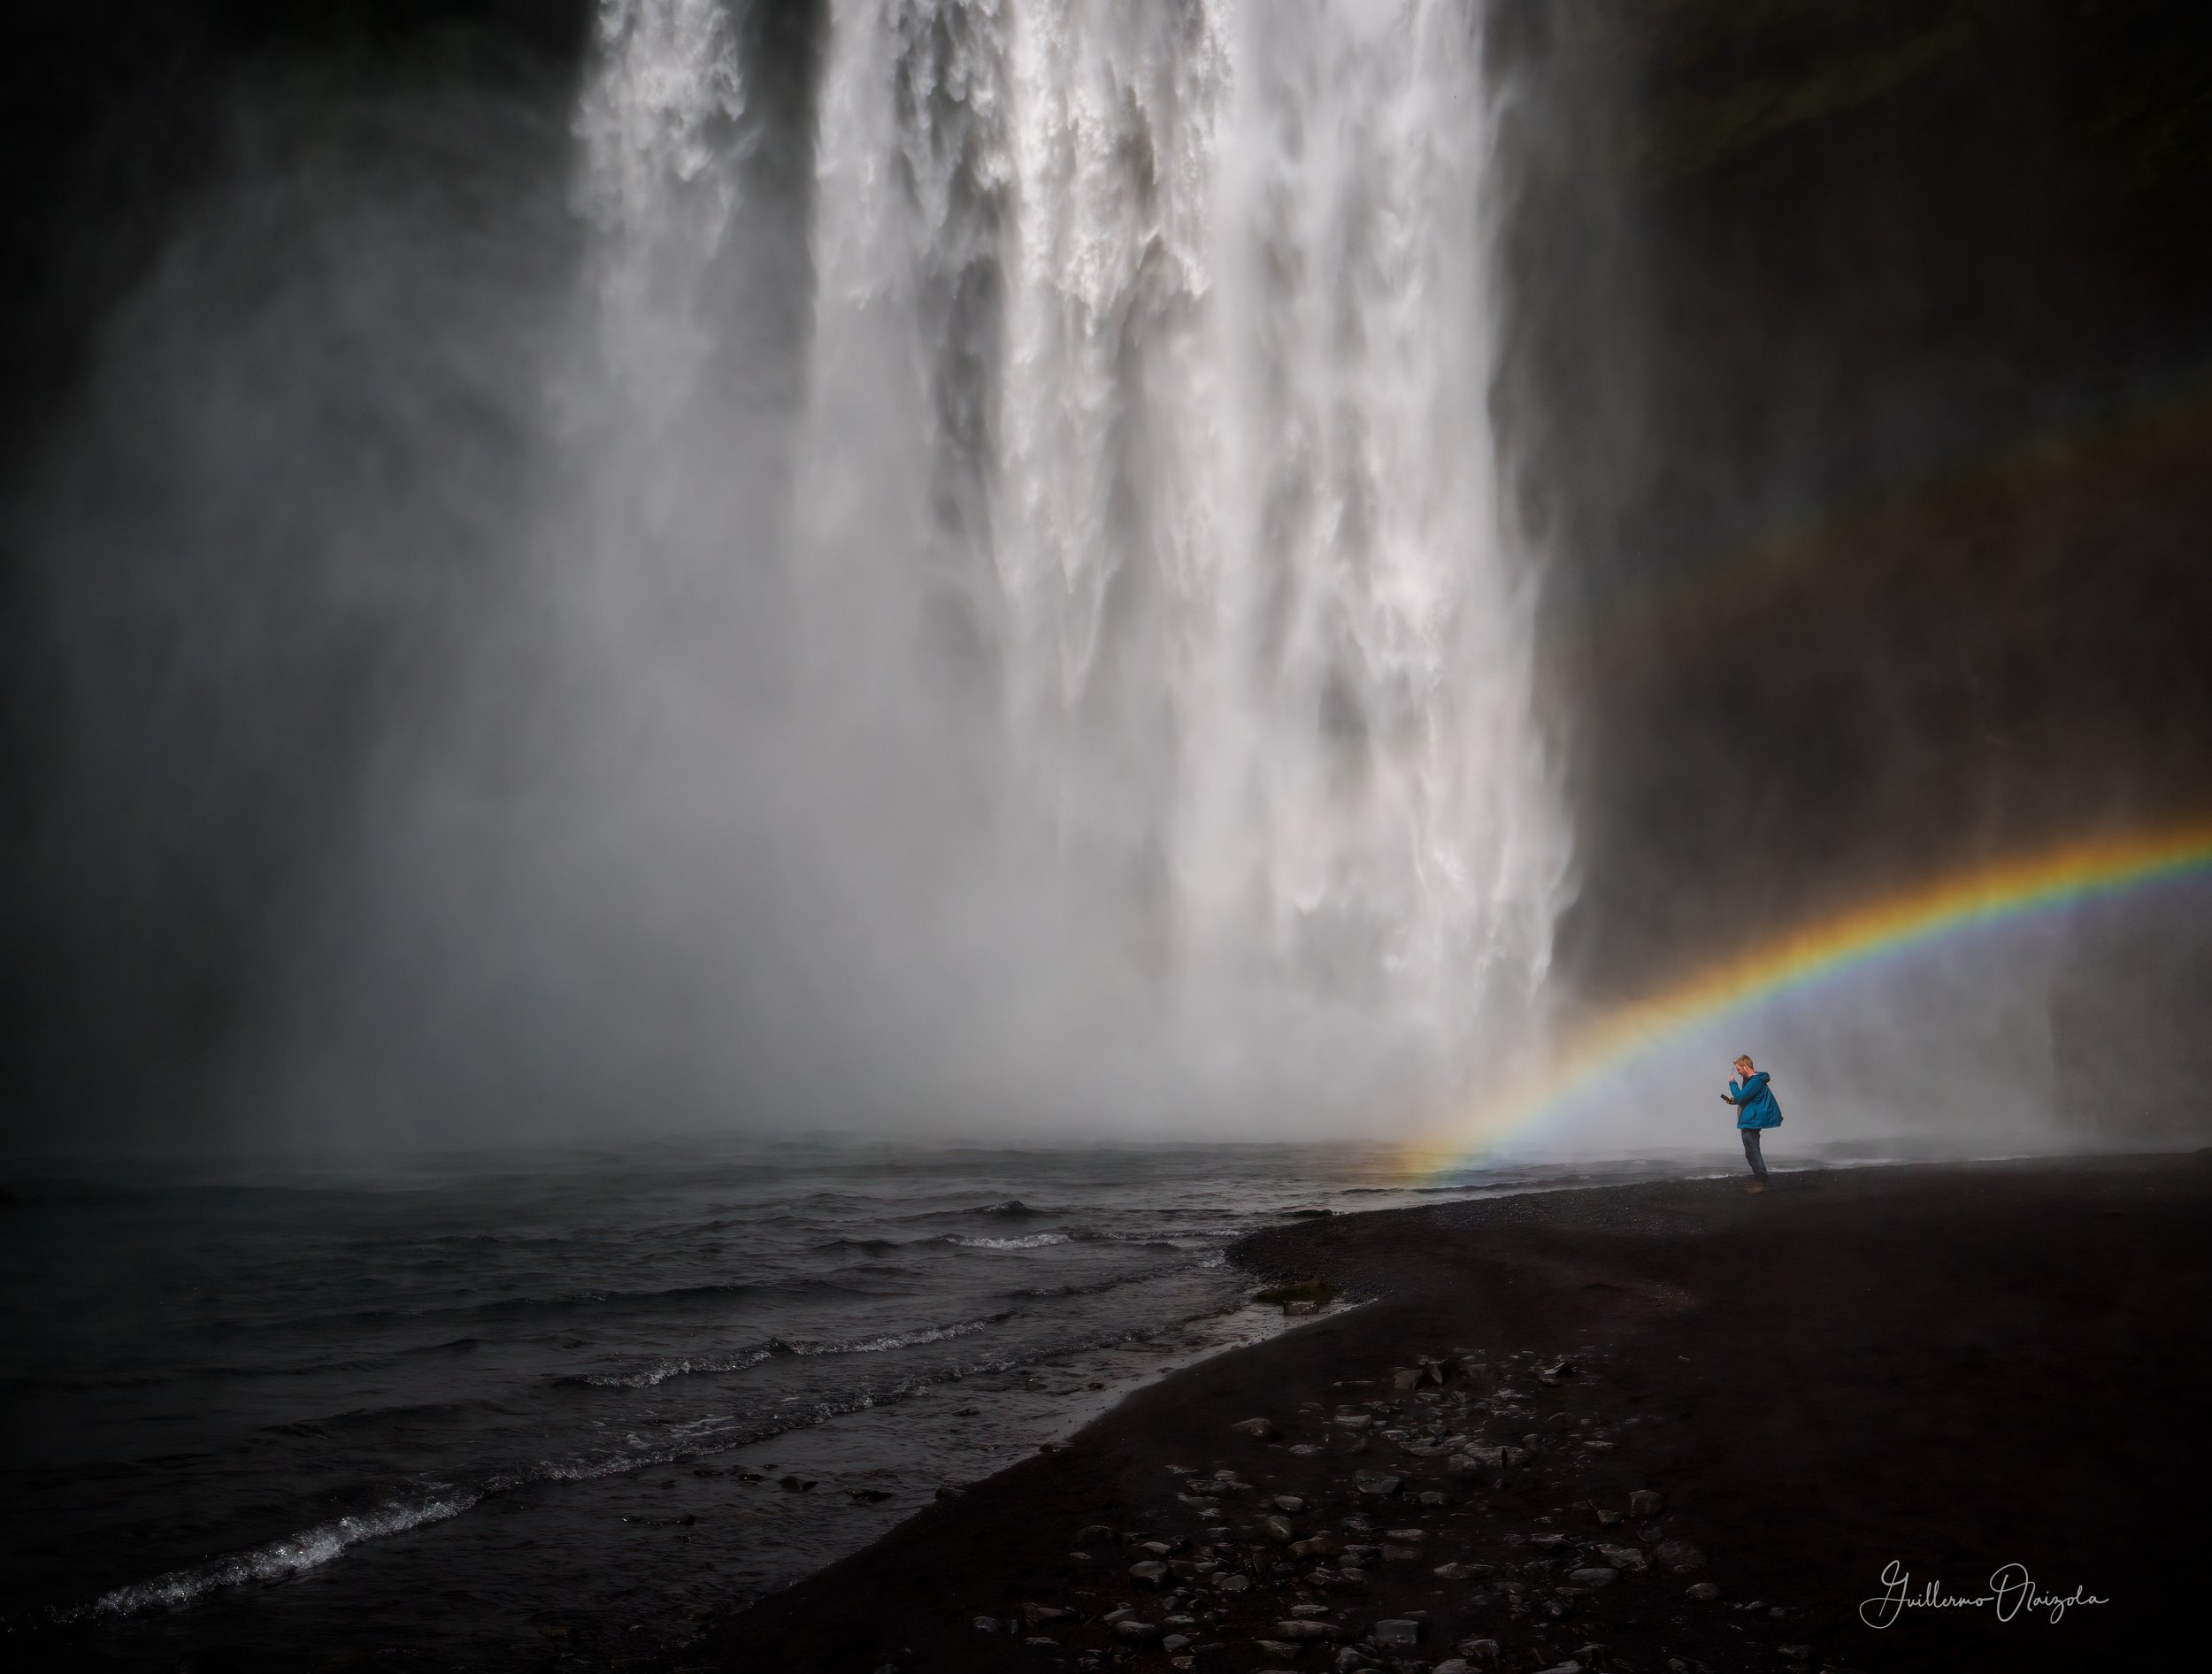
column 1751, row 1151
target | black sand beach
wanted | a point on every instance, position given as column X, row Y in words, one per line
column 1950, row 1368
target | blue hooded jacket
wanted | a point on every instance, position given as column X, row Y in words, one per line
column 1755, row 1102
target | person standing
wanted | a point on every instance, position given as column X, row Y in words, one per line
column 1756, row 1112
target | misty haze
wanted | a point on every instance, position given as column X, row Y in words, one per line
column 756, row 742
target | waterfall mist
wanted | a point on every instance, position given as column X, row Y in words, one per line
column 989, row 611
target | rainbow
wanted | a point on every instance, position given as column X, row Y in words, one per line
column 1890, row 927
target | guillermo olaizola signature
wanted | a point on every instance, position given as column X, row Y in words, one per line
column 2011, row 1590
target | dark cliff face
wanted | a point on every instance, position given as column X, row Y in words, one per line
column 1858, row 377
column 1861, row 363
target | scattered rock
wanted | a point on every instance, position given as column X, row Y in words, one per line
column 1289, row 1502
column 1258, row 1429
column 1608, row 1519
column 1232, row 1582
column 1453, row 1665
column 1460, row 1571
column 1319, row 1545
column 1409, row 1536
column 1431, row 1496
column 987, row 1624
column 1151, row 1572
column 1480, row 1650
column 1303, row 1631
column 1278, row 1530
column 1092, row 1534
column 1299, row 1311
column 1397, row 1630
column 1680, row 1556
column 1407, row 1379
column 1304, row 1449
column 1704, row 1590
column 1645, row 1502
column 1377, row 1482
column 1625, row 1557
column 1035, row 1615
column 1796, row 1653
column 1597, row 1577
column 1130, row 1628
column 1174, row 1642
column 947, row 1493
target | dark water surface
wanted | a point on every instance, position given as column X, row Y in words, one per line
column 476, row 1413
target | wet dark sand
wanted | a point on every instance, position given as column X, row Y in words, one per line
column 1952, row 1368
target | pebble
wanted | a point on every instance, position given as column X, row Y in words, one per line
column 1481, row 1650
column 1597, row 1575
column 987, row 1624
column 1278, row 1530
column 1296, row 1630
column 1130, row 1628
column 1377, row 1482
column 1625, row 1557
column 1258, row 1429
column 1289, row 1502
column 1645, row 1502
column 1318, row 1546
column 1796, row 1653
column 1679, row 1555
column 1407, row 1535
column 1175, row 1642
column 1304, row 1449
column 1037, row 1615
column 1232, row 1583
column 1704, row 1590
column 1152, row 1572
column 1397, row 1630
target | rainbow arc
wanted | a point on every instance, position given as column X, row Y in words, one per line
column 1890, row 927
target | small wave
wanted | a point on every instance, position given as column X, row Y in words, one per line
column 1013, row 1206
column 1031, row 1240
column 280, row 1559
column 660, row 1371
column 904, row 1340
column 1099, row 1286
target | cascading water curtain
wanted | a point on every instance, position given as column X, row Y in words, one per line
column 1149, row 399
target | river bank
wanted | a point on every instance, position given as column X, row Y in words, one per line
column 1632, row 1427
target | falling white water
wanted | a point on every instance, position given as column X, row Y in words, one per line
column 1146, row 492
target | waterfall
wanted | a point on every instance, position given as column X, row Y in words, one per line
column 1144, row 489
